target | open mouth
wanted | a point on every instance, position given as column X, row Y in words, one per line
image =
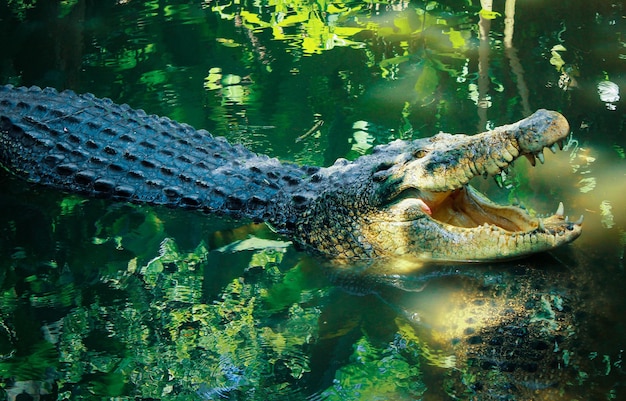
column 464, row 225
column 450, row 200
column 468, row 208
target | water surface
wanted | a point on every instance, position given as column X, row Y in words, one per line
column 102, row 300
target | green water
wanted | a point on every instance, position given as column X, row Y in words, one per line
column 107, row 301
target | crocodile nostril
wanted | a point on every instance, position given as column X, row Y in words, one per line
column 383, row 166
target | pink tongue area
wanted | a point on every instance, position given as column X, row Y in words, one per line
column 424, row 207
column 432, row 201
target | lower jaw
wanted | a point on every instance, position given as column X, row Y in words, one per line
column 489, row 243
column 467, row 208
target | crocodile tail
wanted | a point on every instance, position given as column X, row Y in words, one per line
column 80, row 143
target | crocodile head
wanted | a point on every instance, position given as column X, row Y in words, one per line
column 413, row 199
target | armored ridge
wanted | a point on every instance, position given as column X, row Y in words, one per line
column 92, row 146
column 407, row 198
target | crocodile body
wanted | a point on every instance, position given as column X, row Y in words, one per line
column 406, row 198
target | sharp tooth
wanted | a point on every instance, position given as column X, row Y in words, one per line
column 531, row 159
column 541, row 226
column 580, row 220
column 560, row 210
column 561, row 144
column 540, row 157
column 553, row 148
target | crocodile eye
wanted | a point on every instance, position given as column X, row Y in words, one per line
column 419, row 153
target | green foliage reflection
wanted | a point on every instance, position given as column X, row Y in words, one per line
column 231, row 345
column 418, row 45
column 389, row 373
column 318, row 26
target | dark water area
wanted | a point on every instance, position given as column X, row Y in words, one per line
column 101, row 300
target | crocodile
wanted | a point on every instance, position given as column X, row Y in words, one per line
column 406, row 198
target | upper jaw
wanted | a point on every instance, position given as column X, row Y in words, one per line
column 449, row 162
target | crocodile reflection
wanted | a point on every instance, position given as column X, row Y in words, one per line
column 494, row 332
